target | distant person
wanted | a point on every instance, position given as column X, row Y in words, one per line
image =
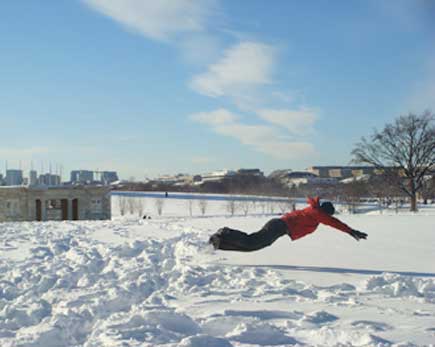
column 166, row 194
column 295, row 224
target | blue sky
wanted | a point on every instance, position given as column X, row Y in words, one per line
column 161, row 87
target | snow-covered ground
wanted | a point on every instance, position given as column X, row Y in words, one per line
column 156, row 282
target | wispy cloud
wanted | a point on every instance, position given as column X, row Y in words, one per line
column 214, row 118
column 266, row 139
column 199, row 49
column 242, row 67
column 297, row 122
column 158, row 20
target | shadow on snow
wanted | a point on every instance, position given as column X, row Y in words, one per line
column 341, row 270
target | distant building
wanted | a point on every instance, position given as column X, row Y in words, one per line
column 33, row 178
column 49, row 180
column 177, row 180
column 218, row 175
column 278, row 174
column 108, row 177
column 82, row 176
column 296, row 178
column 342, row 172
column 42, row 203
column 250, row 172
column 93, row 177
column 196, row 178
column 14, row 177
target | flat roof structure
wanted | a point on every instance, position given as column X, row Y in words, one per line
column 43, row 203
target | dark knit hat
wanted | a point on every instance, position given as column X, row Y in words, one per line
column 327, row 207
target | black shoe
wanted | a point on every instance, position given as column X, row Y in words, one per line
column 215, row 241
column 223, row 231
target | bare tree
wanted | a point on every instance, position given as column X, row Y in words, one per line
column 271, row 205
column 244, row 206
column 131, row 203
column 231, row 205
column 139, row 205
column 428, row 191
column 202, row 203
column 190, row 206
column 384, row 190
column 404, row 151
column 263, row 205
column 122, row 205
column 159, row 203
column 286, row 205
column 254, row 204
column 352, row 192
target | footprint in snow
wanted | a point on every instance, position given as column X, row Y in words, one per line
column 376, row 326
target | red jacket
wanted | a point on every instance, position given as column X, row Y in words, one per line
column 303, row 222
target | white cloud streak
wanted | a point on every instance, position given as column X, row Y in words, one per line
column 158, row 20
column 214, row 118
column 262, row 138
column 243, row 66
column 298, row 122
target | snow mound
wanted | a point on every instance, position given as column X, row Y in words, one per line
column 204, row 340
column 371, row 325
column 260, row 334
column 320, row 317
column 327, row 336
column 264, row 314
column 394, row 285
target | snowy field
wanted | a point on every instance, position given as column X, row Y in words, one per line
column 156, row 282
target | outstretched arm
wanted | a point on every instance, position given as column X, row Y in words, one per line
column 337, row 224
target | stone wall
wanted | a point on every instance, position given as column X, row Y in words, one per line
column 13, row 204
column 57, row 203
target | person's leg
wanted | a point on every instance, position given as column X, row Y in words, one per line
column 271, row 231
column 236, row 240
column 229, row 239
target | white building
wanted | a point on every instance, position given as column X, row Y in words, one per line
column 218, row 175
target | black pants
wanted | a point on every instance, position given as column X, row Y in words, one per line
column 236, row 240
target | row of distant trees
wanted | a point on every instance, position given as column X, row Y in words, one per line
column 137, row 206
column 376, row 189
column 238, row 184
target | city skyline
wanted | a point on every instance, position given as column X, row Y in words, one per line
column 153, row 88
column 32, row 176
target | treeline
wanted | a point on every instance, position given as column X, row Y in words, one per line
column 238, row 184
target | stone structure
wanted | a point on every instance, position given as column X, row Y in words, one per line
column 41, row 203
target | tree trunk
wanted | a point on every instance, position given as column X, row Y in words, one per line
column 413, row 195
column 414, row 202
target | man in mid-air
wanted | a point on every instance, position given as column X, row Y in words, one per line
column 295, row 224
